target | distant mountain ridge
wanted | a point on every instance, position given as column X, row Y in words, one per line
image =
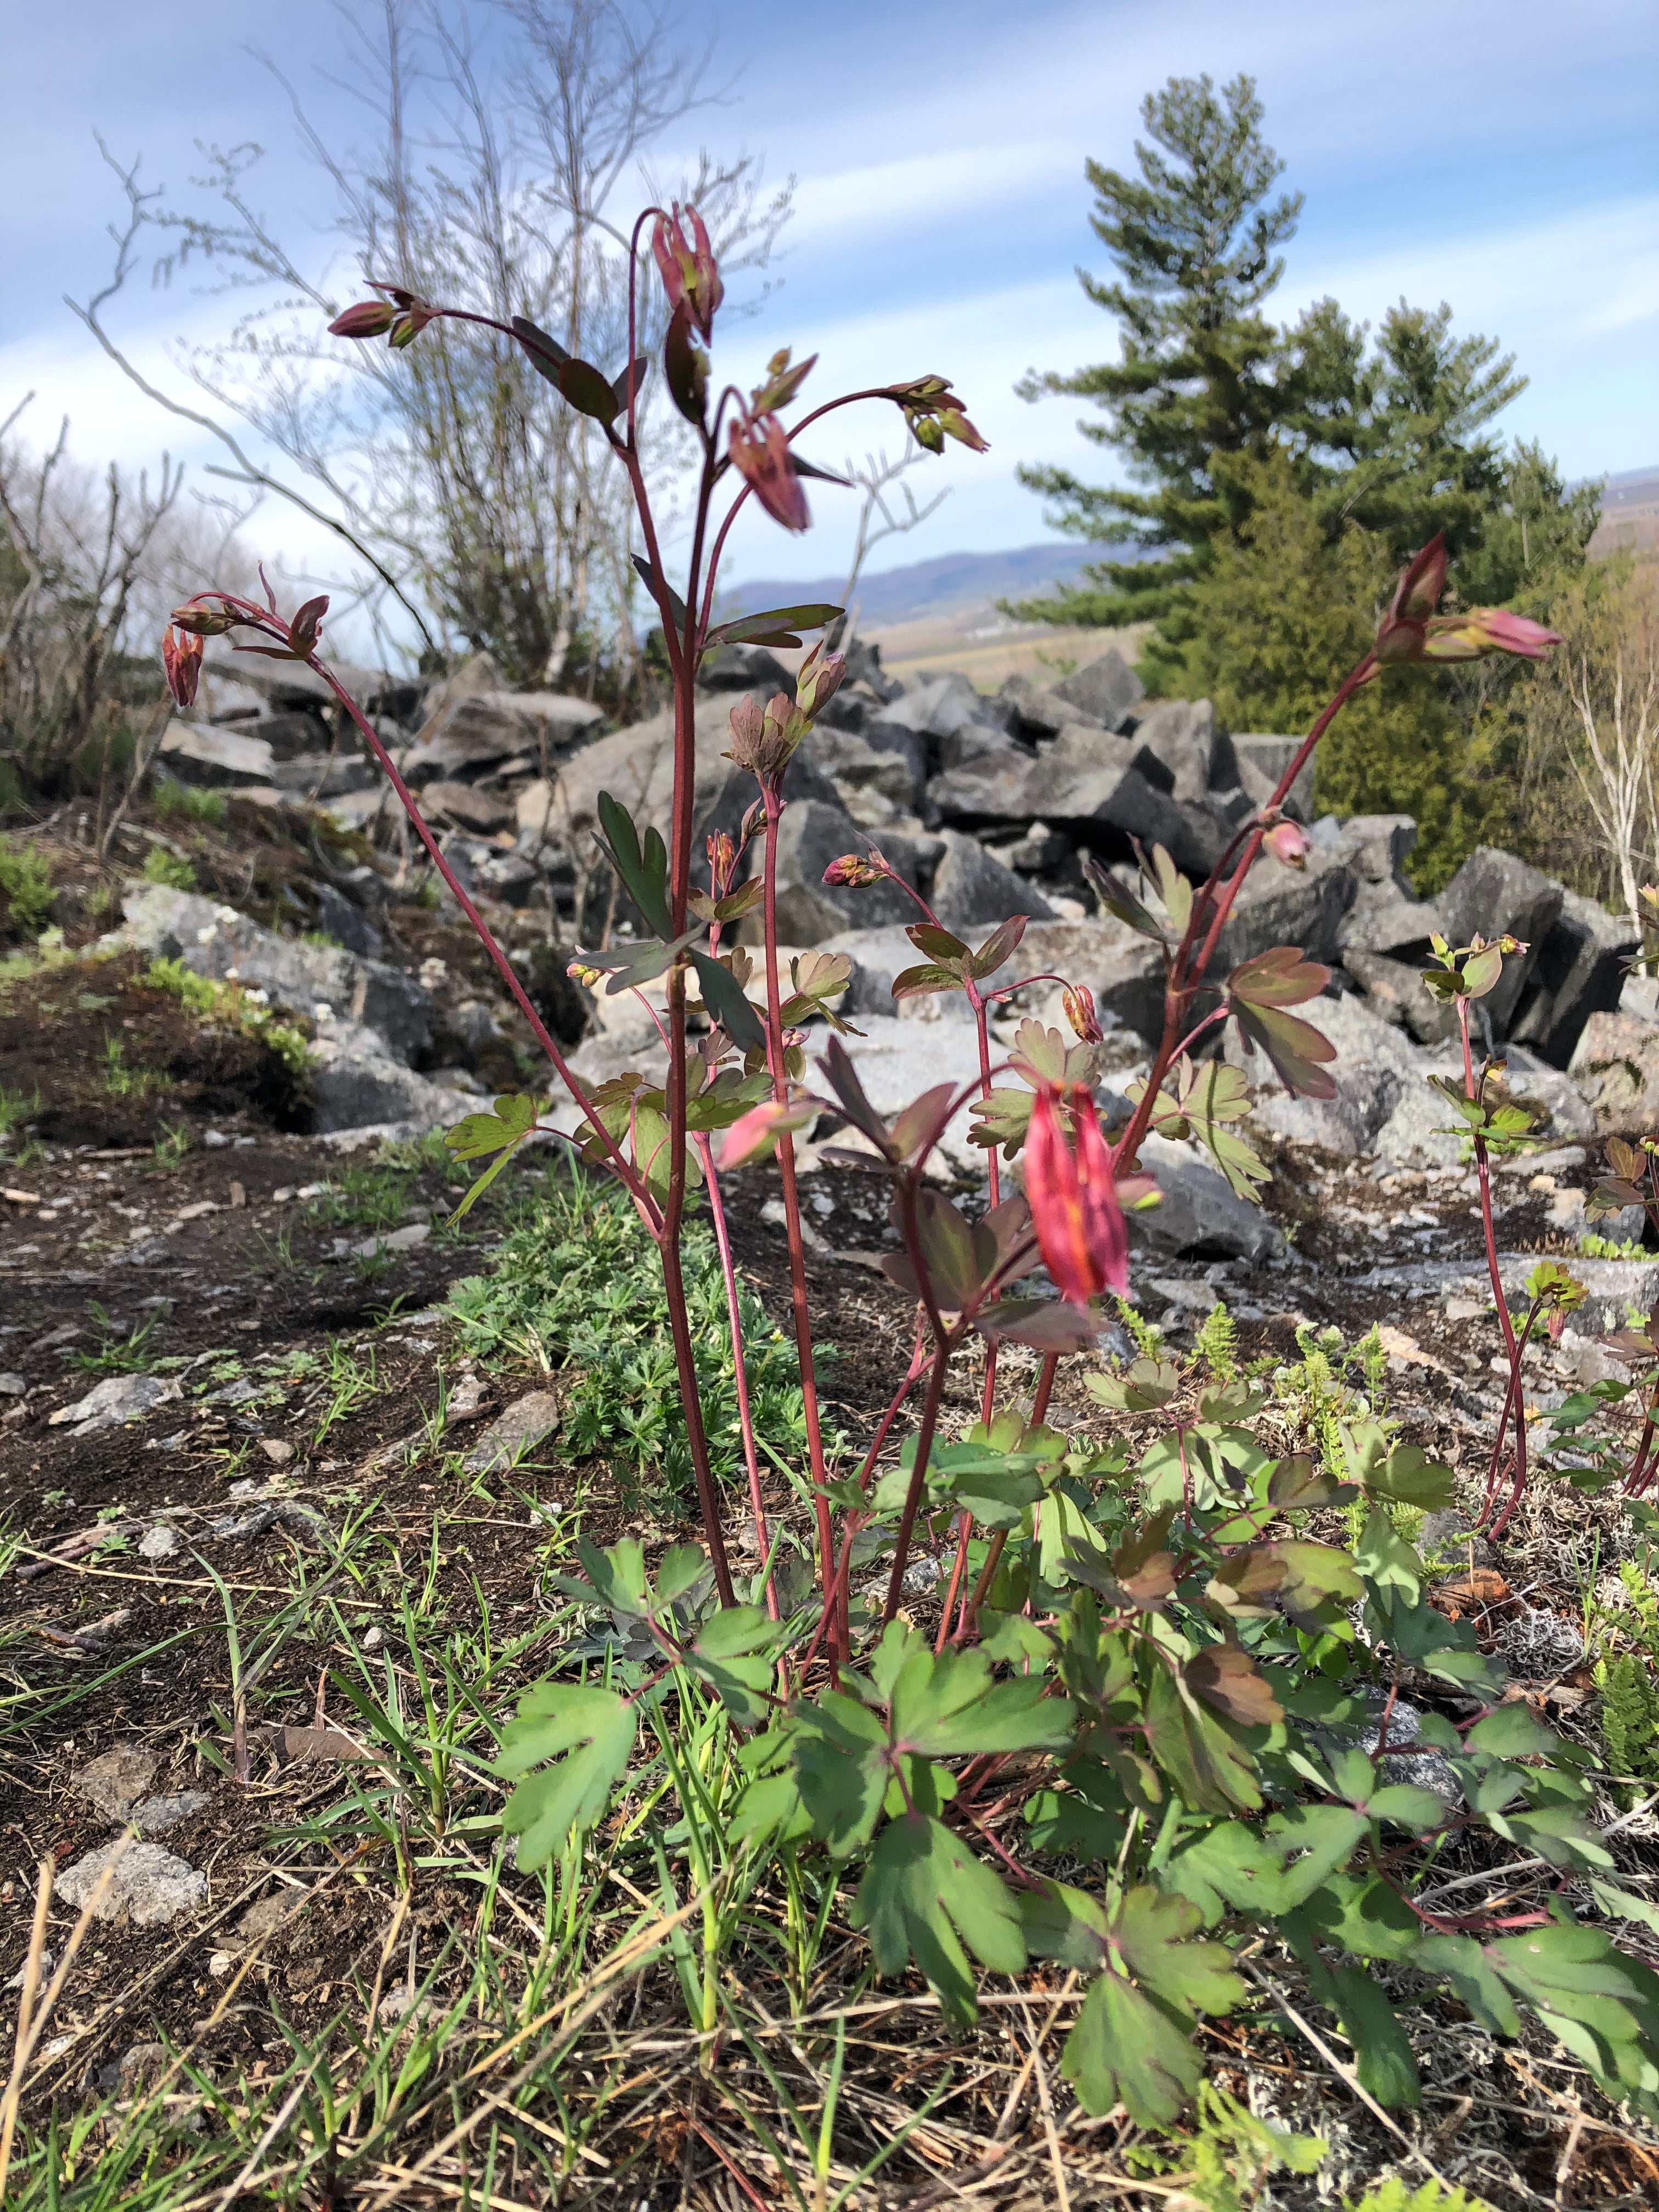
column 949, row 584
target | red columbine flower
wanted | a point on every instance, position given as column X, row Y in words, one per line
column 369, row 319
column 690, row 276
column 181, row 662
column 1482, row 630
column 760, row 452
column 1073, row 1196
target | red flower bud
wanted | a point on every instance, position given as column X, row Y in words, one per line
column 1402, row 632
column 855, row 873
column 1073, row 1196
column 934, row 413
column 1288, row 843
column 1078, row 1001
column 760, row 452
column 181, row 663
column 369, row 319
column 690, row 275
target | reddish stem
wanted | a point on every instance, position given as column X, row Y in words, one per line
column 740, row 1374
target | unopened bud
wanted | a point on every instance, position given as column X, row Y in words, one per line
column 580, row 972
column 819, row 680
column 853, row 873
column 203, row 622
column 181, row 664
column 1288, row 843
column 763, row 738
column 369, row 319
column 1078, row 1001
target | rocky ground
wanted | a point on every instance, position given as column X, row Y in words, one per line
column 227, row 1347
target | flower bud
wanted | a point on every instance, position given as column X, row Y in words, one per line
column 854, row 873
column 1402, row 632
column 819, row 680
column 782, row 382
column 1484, row 630
column 763, row 738
column 580, row 972
column 1288, row 843
column 690, row 275
column 203, row 622
column 722, row 859
column 369, row 319
column 1078, row 1001
column 181, row 664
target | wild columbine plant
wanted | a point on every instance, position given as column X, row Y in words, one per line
column 1123, row 1745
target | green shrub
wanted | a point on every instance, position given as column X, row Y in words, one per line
column 188, row 802
column 25, row 890
column 161, row 866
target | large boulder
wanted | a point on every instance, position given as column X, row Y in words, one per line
column 1107, row 690
column 1254, row 761
column 1182, row 734
column 815, row 831
column 1109, row 790
column 479, row 730
column 879, row 770
column 218, row 941
column 198, row 752
column 1494, row 894
column 1616, row 1062
column 1395, row 991
column 355, row 1088
column 1276, row 905
column 1579, row 971
column 973, row 890
column 1200, row 1216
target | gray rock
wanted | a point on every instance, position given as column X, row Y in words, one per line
column 1494, row 893
column 314, row 775
column 1639, row 997
column 939, row 709
column 972, row 889
column 396, row 1240
column 1042, row 851
column 1025, row 710
column 113, row 1783
column 1616, row 1062
column 1579, row 971
column 117, row 1399
column 1277, row 905
column 1374, row 1066
column 1106, row 689
column 898, row 1061
column 527, row 1423
column 352, row 1089
column 13, row 1385
column 1256, row 762
column 744, row 668
column 291, row 683
column 466, row 807
column 1419, row 1132
column 215, row 940
column 199, row 753
column 154, row 1816
column 1182, row 734
column 814, row 832
column 473, row 731
column 1568, row 1111
column 1427, row 1769
column 344, row 920
column 159, row 1542
column 879, row 772
column 150, row 1886
column 1201, row 1217
column 1395, row 993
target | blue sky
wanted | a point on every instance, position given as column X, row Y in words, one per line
column 1500, row 156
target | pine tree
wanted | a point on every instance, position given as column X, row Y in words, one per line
column 1193, row 239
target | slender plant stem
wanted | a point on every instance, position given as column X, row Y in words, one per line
column 918, row 1478
column 740, row 1376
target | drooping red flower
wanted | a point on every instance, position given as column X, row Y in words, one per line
column 853, row 873
column 1401, row 633
column 760, row 452
column 1078, row 1001
column 1072, row 1194
column 1288, row 843
column 1482, row 630
column 181, row 663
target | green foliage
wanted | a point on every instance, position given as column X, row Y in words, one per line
column 189, row 802
column 1629, row 1684
column 1225, row 2164
column 161, row 866
column 1395, row 2195
column 25, row 891
column 233, row 1007
column 578, row 1282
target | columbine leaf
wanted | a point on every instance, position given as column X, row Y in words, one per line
column 1126, row 2049
column 480, row 1134
column 643, row 864
column 588, row 1734
column 658, row 584
column 998, row 946
column 1382, row 2057
column 723, row 995
column 1196, row 1750
column 922, row 1896
column 775, row 626
column 733, row 1654
column 840, row 1751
